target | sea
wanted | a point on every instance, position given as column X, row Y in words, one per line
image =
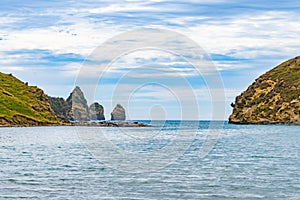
column 169, row 160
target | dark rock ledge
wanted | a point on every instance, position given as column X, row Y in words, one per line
column 110, row 124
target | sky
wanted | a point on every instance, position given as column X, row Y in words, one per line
column 51, row 43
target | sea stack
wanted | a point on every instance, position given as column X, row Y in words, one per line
column 75, row 108
column 274, row 97
column 118, row 113
column 96, row 111
column 79, row 108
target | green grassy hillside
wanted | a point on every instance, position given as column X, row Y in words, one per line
column 23, row 105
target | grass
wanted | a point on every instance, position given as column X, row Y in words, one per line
column 17, row 98
column 266, row 100
column 287, row 75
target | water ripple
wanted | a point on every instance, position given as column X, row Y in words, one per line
column 247, row 162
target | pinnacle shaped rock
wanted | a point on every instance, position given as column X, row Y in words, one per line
column 75, row 108
column 78, row 104
column 77, row 96
column 96, row 111
column 118, row 113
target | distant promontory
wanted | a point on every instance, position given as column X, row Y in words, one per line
column 24, row 105
column 274, row 97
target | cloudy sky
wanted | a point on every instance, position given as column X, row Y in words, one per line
column 47, row 43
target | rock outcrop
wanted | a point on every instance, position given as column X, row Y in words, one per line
column 118, row 113
column 273, row 98
column 23, row 105
column 79, row 108
column 75, row 107
column 96, row 111
column 61, row 108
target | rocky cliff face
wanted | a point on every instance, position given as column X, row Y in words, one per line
column 75, row 107
column 61, row 108
column 96, row 111
column 118, row 113
column 273, row 98
column 23, row 105
column 79, row 108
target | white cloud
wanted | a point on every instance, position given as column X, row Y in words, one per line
column 247, row 36
column 114, row 8
column 250, row 36
column 11, row 69
column 9, row 20
column 186, row 20
column 70, row 70
column 80, row 38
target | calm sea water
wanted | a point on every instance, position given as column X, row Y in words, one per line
column 163, row 162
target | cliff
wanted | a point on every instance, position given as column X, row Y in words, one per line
column 79, row 109
column 75, row 107
column 274, row 97
column 60, row 107
column 23, row 105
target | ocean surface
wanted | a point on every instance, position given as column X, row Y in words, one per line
column 172, row 160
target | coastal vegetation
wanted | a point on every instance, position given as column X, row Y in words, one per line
column 274, row 97
column 24, row 105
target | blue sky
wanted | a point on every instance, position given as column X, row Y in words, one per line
column 46, row 42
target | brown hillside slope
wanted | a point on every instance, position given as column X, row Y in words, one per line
column 273, row 98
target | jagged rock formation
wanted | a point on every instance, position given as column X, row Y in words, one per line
column 60, row 107
column 96, row 111
column 23, row 105
column 75, row 108
column 273, row 98
column 118, row 113
column 79, row 108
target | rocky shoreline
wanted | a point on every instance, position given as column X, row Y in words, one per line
column 83, row 123
column 22, row 105
column 111, row 124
